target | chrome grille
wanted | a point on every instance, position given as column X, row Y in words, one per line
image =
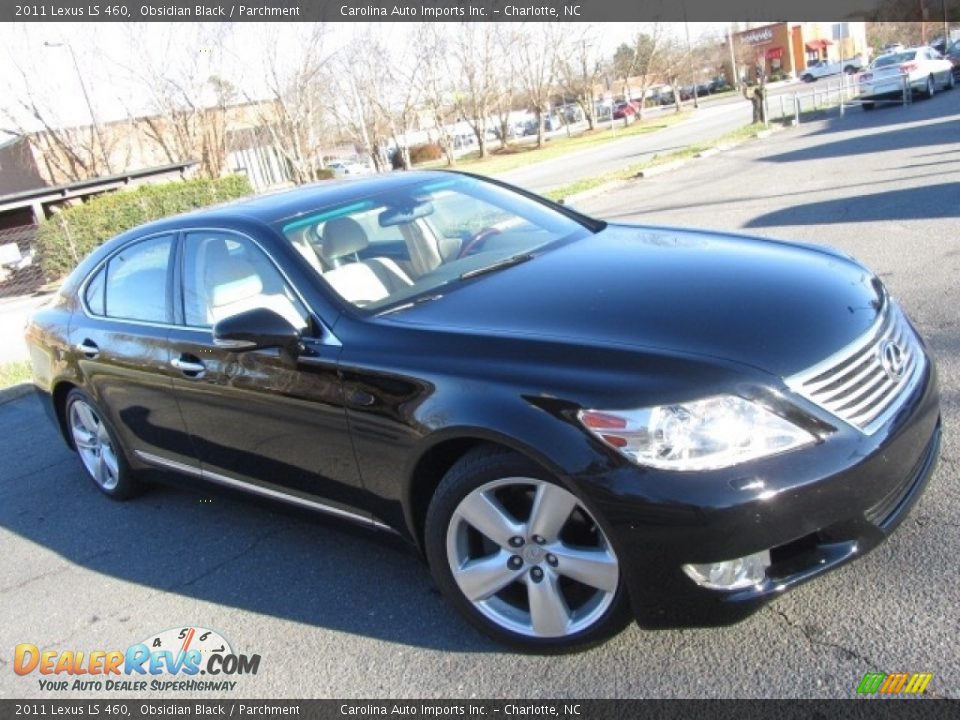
column 863, row 383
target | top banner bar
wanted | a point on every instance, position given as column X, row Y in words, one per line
column 479, row 10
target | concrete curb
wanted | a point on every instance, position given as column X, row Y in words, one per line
column 667, row 167
column 662, row 168
column 15, row 392
column 593, row 192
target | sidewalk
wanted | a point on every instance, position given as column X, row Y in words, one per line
column 14, row 313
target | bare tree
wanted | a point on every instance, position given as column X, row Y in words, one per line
column 187, row 95
column 476, row 54
column 624, row 64
column 537, row 53
column 581, row 69
column 654, row 59
column 433, row 44
column 506, row 74
column 300, row 91
column 69, row 146
column 360, row 82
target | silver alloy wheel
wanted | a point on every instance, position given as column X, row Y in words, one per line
column 549, row 575
column 931, row 86
column 93, row 443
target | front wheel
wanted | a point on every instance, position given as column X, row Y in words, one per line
column 521, row 557
column 868, row 106
column 951, row 81
column 98, row 448
column 931, row 87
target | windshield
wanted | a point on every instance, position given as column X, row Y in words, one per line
column 389, row 249
column 894, row 59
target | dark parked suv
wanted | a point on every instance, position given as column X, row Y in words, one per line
column 573, row 421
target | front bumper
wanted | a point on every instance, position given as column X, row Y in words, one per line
column 814, row 509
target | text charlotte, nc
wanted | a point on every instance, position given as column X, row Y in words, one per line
column 429, row 11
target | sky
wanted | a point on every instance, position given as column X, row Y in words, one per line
column 111, row 55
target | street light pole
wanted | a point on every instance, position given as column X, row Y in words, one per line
column 86, row 97
column 693, row 79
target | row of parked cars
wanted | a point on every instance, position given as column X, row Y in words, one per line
column 666, row 96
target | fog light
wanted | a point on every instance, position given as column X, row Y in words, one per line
column 730, row 574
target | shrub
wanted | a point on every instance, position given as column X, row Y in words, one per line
column 425, row 152
column 63, row 240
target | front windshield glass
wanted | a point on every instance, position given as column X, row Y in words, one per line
column 389, row 249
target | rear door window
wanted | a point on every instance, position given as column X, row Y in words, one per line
column 136, row 281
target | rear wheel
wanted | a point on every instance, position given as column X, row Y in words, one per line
column 98, row 448
column 521, row 557
column 868, row 106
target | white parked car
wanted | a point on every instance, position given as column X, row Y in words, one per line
column 924, row 69
column 342, row 168
column 821, row 68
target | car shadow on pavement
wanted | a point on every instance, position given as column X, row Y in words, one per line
column 209, row 546
column 905, row 204
column 926, row 135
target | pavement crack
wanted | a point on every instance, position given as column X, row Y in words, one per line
column 55, row 571
column 223, row 563
column 813, row 640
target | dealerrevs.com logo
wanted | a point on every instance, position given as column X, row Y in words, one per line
column 188, row 659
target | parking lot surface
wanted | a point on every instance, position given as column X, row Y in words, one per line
column 337, row 613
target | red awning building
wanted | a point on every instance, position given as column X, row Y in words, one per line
column 784, row 50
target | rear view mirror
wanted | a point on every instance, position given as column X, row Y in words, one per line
column 403, row 215
column 255, row 329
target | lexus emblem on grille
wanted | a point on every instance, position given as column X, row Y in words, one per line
column 892, row 360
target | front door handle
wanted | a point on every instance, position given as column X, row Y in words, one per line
column 190, row 368
column 88, row 348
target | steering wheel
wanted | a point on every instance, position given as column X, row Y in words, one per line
column 476, row 240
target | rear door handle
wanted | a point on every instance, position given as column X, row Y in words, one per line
column 88, row 348
column 189, row 368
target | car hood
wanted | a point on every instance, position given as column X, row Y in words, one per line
column 776, row 306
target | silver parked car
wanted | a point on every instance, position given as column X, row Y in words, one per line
column 925, row 70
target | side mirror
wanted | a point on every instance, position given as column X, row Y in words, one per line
column 255, row 329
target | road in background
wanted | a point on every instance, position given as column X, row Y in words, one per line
column 344, row 614
column 705, row 124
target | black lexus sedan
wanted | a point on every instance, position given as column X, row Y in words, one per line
column 574, row 421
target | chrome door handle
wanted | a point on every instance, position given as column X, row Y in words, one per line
column 88, row 348
column 190, row 369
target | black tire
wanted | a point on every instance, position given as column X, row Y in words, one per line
column 807, row 78
column 850, row 70
column 931, row 88
column 476, row 469
column 117, row 480
column 867, row 106
column 951, row 82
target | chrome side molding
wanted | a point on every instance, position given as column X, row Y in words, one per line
column 226, row 481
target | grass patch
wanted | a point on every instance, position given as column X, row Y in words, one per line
column 14, row 373
column 628, row 173
column 523, row 154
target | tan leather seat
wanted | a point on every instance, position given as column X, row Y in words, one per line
column 358, row 281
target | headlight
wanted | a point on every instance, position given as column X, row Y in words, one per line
column 706, row 434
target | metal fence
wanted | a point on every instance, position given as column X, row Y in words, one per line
column 19, row 272
column 838, row 95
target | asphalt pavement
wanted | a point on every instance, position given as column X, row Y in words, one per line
column 337, row 613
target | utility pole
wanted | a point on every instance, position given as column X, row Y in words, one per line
column 693, row 79
column 86, row 97
column 735, row 80
column 946, row 28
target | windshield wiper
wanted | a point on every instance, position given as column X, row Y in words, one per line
column 418, row 301
column 499, row 265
